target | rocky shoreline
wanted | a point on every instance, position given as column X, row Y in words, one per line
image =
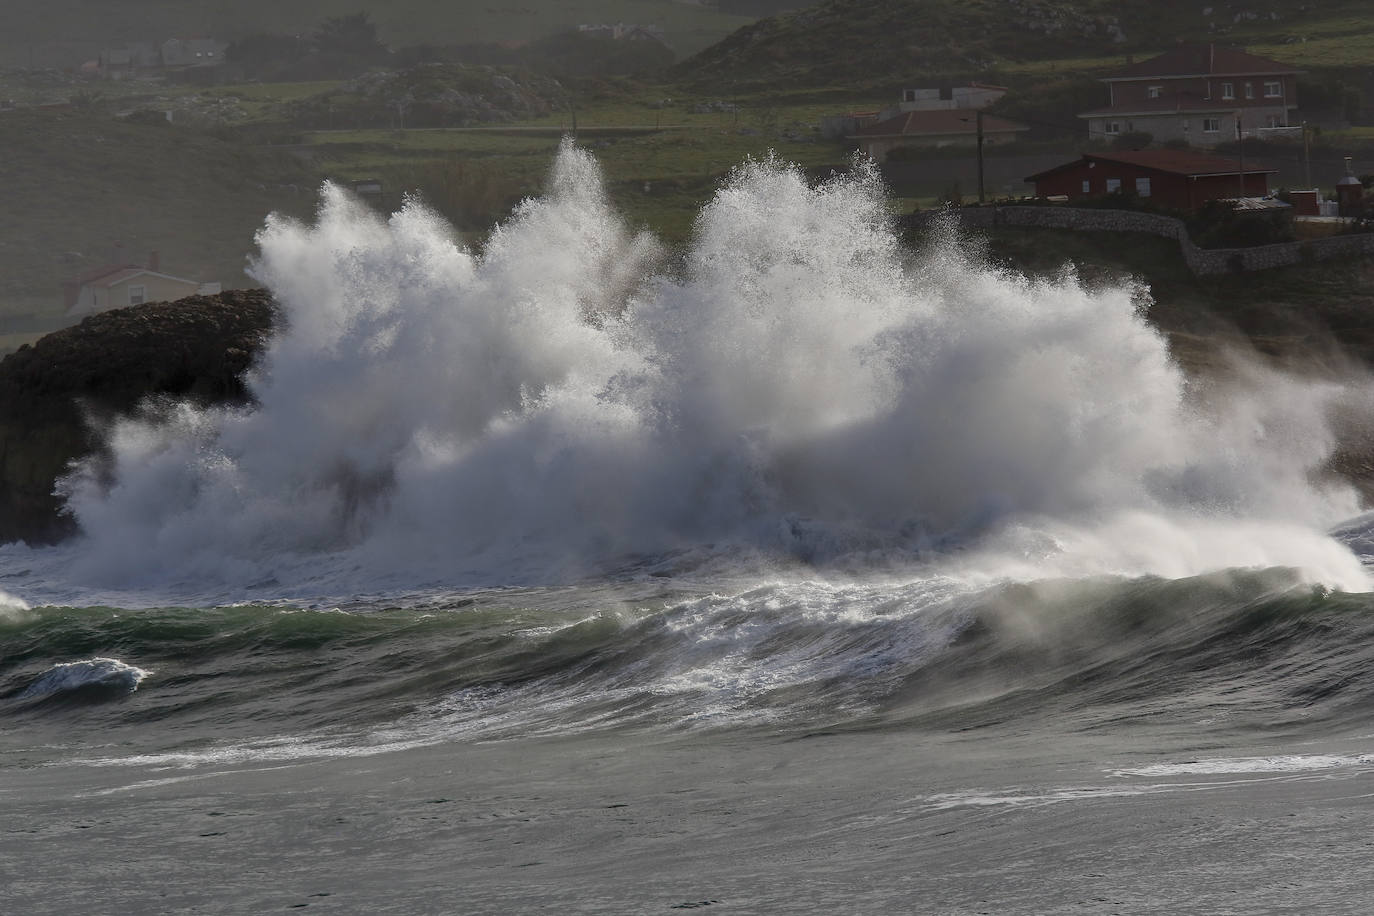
column 55, row 393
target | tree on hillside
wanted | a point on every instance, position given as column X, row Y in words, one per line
column 1051, row 107
column 266, row 56
column 350, row 36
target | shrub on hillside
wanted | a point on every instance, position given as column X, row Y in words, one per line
column 1133, row 139
column 1051, row 108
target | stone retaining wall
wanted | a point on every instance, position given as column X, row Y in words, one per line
column 1202, row 261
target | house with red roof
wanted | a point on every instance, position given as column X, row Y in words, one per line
column 112, row 286
column 938, row 127
column 1180, row 179
column 1199, row 92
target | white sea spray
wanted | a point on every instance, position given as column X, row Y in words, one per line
column 795, row 387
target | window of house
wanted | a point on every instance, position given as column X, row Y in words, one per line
column 1273, row 89
column 1113, row 185
column 1228, row 90
column 1087, row 186
column 1249, row 90
column 1273, row 121
column 1113, row 127
column 1142, row 187
column 1155, row 92
column 1211, row 125
column 1185, row 125
column 136, row 295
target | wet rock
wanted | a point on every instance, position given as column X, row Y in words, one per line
column 196, row 348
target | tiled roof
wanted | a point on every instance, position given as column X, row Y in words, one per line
column 118, row 276
column 95, row 273
column 1180, row 161
column 1189, row 163
column 938, row 121
column 1192, row 58
column 128, row 273
column 1174, row 102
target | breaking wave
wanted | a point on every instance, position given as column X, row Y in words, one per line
column 108, row 673
column 794, row 388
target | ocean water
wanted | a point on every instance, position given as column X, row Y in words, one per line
column 792, row 571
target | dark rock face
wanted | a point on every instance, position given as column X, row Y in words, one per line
column 194, row 349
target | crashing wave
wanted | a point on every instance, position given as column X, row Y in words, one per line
column 108, row 673
column 795, row 387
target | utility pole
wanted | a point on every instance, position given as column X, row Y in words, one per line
column 1240, row 139
column 1306, row 155
column 978, row 121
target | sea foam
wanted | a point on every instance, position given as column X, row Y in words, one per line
column 93, row 672
column 794, row 387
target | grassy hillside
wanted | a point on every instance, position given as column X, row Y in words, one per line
column 59, row 33
column 886, row 42
column 78, row 183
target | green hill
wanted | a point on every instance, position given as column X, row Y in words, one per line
column 63, row 33
column 885, row 42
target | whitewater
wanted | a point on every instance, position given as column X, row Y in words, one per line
column 789, row 569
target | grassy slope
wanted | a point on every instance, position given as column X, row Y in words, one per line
column 58, row 32
column 906, row 39
column 682, row 162
column 76, row 184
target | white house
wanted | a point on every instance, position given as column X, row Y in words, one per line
column 118, row 285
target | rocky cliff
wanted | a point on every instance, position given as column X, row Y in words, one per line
column 196, row 348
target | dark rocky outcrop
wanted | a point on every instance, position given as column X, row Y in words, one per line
column 196, row 348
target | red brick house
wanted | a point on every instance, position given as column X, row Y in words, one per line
column 1199, row 92
column 1177, row 178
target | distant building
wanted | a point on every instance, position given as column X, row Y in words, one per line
column 172, row 56
column 878, row 132
column 114, row 286
column 1201, row 93
column 974, row 95
column 623, row 32
column 846, row 126
column 128, row 61
column 946, row 127
column 188, row 53
column 1350, row 192
column 1177, row 178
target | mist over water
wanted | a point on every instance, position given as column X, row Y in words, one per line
column 793, row 390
